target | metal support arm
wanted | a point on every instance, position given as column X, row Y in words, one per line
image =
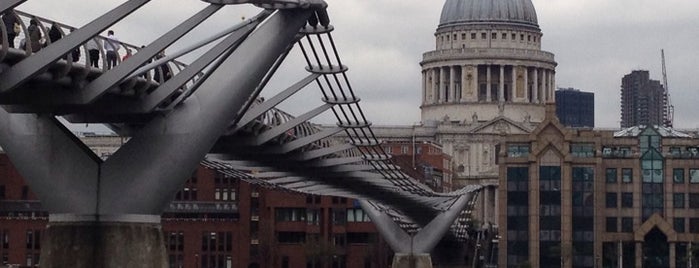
column 152, row 166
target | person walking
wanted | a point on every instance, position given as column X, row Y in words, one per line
column 93, row 51
column 111, row 45
column 34, row 35
column 55, row 33
column 9, row 18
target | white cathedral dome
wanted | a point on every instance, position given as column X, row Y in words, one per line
column 513, row 12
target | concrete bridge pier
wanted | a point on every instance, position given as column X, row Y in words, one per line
column 401, row 260
column 90, row 243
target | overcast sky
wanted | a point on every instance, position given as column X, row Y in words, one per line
column 596, row 42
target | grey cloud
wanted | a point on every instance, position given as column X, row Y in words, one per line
column 596, row 42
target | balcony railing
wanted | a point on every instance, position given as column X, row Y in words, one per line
column 478, row 53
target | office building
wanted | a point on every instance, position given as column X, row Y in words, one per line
column 642, row 101
column 575, row 108
column 587, row 198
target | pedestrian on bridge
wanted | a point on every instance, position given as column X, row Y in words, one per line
column 9, row 18
column 93, row 51
column 111, row 45
column 34, row 35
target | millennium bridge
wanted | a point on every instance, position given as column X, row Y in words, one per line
column 175, row 114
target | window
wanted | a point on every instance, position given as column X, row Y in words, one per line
column 611, row 225
column 611, row 200
column 404, row 149
column 529, row 38
column 694, row 225
column 626, row 200
column 694, row 175
column 494, row 36
column 484, row 36
column 290, row 214
column 504, row 36
column 626, row 175
column 693, row 200
column 675, row 151
column 388, row 149
column 463, row 36
column 518, row 150
column 611, row 175
column 454, row 37
column 514, row 37
column 473, row 35
column 338, row 216
column 357, row 215
column 678, row 175
column 627, row 224
column 175, row 241
column 678, row 225
column 678, row 200
column 291, row 237
column 521, row 37
column 582, row 150
column 313, row 217
column 285, row 262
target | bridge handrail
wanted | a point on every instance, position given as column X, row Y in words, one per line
column 155, row 75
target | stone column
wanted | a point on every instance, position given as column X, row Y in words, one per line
column 442, row 85
column 639, row 254
column 488, row 217
column 489, row 82
column 464, row 83
column 452, row 84
column 673, row 264
column 545, row 85
column 434, row 86
column 526, row 85
column 424, row 87
column 513, row 88
column 501, row 87
column 476, row 83
column 552, row 77
column 535, row 87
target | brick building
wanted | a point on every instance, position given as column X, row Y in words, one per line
column 585, row 198
column 425, row 161
column 217, row 221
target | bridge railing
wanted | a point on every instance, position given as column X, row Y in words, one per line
column 51, row 31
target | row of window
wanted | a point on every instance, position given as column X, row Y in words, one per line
column 688, row 152
column 493, row 36
column 679, row 224
column 312, row 216
column 338, row 240
column 25, row 193
column 678, row 175
column 584, row 150
column 588, row 150
column 651, row 200
column 405, row 149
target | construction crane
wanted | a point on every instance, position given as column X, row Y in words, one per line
column 668, row 108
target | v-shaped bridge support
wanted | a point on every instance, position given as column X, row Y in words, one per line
column 413, row 251
column 106, row 213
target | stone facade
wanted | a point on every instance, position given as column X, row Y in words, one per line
column 486, row 79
